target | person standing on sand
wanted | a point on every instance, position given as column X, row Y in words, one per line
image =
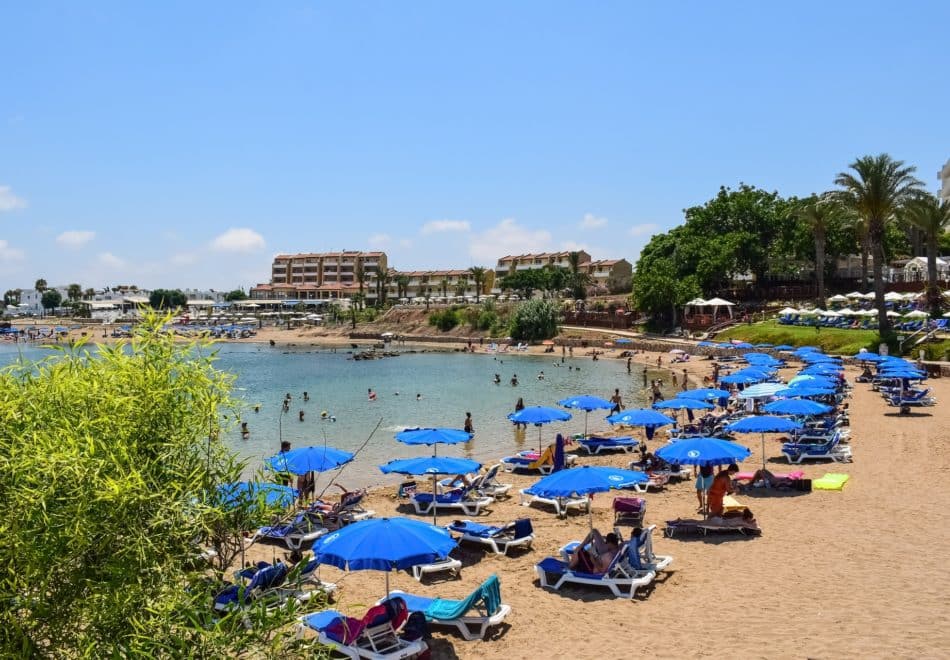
column 644, row 376
column 721, row 486
column 685, row 381
column 629, row 360
column 659, row 361
column 674, row 379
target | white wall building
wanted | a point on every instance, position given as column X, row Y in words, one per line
column 944, row 176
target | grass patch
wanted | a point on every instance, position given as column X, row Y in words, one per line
column 830, row 340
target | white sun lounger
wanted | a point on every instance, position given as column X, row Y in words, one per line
column 560, row 504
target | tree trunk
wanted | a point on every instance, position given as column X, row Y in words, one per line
column 820, row 265
column 865, row 250
column 877, row 246
column 933, row 290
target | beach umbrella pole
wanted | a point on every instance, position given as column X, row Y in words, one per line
column 435, row 510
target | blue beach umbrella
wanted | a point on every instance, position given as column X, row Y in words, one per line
column 797, row 407
column 704, row 394
column 623, row 340
column 433, row 436
column 430, row 465
column 743, row 345
column 234, row 494
column 703, row 452
column 649, row 419
column 741, row 379
column 585, row 480
column 805, row 391
column 384, row 544
column 539, row 415
column 783, row 347
column 812, row 380
column 764, row 424
column 868, row 356
column 683, row 404
column 763, row 346
column 309, row 459
column 586, row 402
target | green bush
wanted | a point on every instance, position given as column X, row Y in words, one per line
column 445, row 320
column 534, row 320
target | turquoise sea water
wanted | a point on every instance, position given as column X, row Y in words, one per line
column 449, row 384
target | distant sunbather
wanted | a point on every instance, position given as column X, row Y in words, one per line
column 595, row 553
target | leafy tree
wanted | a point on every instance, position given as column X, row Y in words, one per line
column 107, row 484
column 51, row 299
column 553, row 279
column 876, row 189
column 478, row 275
column 525, row 282
column 932, row 217
column 167, row 299
column 444, row 320
column 11, row 297
column 534, row 320
column 40, row 285
column 658, row 288
column 236, row 295
column 819, row 216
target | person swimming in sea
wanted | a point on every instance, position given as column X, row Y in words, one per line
column 514, row 380
column 370, row 394
column 497, row 379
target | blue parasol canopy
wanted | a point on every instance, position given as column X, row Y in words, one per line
column 703, row 393
column 797, row 407
column 805, row 391
column 309, row 459
column 539, row 415
column 703, row 451
column 431, row 465
column 234, row 494
column 585, row 480
column 683, row 404
column 640, row 417
column 384, row 544
column 741, row 379
column 783, row 347
column 764, row 424
column 433, row 436
column 586, row 402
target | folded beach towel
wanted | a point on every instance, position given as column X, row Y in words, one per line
column 831, row 481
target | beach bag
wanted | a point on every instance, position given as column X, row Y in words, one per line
column 407, row 489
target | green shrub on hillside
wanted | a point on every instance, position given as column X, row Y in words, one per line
column 534, row 320
column 444, row 320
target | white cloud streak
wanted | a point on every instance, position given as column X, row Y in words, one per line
column 591, row 221
column 109, row 260
column 645, row 229
column 441, row 226
column 238, row 239
column 75, row 239
column 9, row 201
column 508, row 237
column 8, row 253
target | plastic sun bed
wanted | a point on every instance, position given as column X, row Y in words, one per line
column 561, row 504
column 595, row 445
column 713, row 525
column 374, row 637
column 447, row 565
column 468, row 502
column 472, row 616
column 263, row 583
column 517, row 534
column 621, row 577
column 831, row 481
column 833, row 449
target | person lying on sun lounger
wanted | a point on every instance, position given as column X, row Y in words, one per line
column 763, row 478
column 743, row 520
column 595, row 553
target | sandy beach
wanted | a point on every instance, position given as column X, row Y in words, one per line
column 835, row 574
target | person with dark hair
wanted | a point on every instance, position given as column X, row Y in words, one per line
column 519, row 406
column 595, row 553
column 469, row 426
column 617, row 401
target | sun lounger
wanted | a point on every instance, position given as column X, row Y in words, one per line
column 621, row 577
column 485, row 484
column 263, row 583
column 796, row 452
column 447, row 565
column 472, row 616
column 306, row 527
column 374, row 637
column 467, row 501
column 517, row 534
column 712, row 525
column 644, row 558
column 629, row 510
column 309, row 573
column 543, row 463
column 560, row 504
column 596, row 445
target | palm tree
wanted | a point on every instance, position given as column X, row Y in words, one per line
column 578, row 280
column 74, row 292
column 444, row 285
column 40, row 285
column 932, row 217
column 819, row 215
column 402, row 286
column 478, row 274
column 360, row 274
column 877, row 189
column 89, row 293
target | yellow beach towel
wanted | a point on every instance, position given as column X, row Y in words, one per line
column 831, row 481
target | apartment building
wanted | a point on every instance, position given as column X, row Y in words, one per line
column 435, row 283
column 322, row 276
column 610, row 275
column 512, row 263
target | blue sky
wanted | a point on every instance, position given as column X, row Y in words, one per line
column 183, row 144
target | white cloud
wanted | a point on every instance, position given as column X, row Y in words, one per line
column 8, row 253
column 184, row 259
column 379, row 241
column 405, row 243
column 591, row 221
column 439, row 226
column 508, row 237
column 574, row 246
column 9, row 201
column 75, row 239
column 645, row 229
column 238, row 240
column 109, row 260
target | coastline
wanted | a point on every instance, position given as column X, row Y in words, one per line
column 850, row 568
